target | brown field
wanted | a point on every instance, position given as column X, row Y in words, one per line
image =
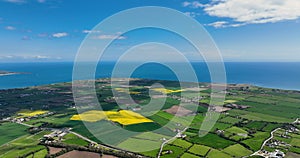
column 292, row 155
column 221, row 109
column 179, row 111
column 80, row 154
column 53, row 150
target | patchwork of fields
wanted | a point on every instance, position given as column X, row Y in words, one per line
column 239, row 132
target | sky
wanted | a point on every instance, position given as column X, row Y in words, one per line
column 244, row 31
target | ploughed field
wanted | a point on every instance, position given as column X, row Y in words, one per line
column 246, row 120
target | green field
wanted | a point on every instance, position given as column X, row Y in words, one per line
column 176, row 151
column 211, row 140
column 188, row 155
column 41, row 153
column 74, row 140
column 11, row 131
column 230, row 120
column 151, row 136
column 139, row 145
column 236, row 130
column 265, row 117
column 237, row 150
column 22, row 146
column 255, row 142
column 182, row 143
column 271, row 126
column 295, row 142
column 257, row 125
column 216, row 153
column 200, row 150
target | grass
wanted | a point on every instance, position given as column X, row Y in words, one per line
column 41, row 153
column 199, row 149
column 265, row 117
column 230, row 120
column 182, row 143
column 236, row 130
column 151, row 136
column 188, row 155
column 256, row 142
column 124, row 117
column 257, row 125
column 152, row 153
column 295, row 142
column 176, row 151
column 295, row 150
column 139, row 145
column 143, row 127
column 211, row 140
column 237, row 150
column 220, row 126
column 22, row 146
column 216, row 153
column 271, row 126
column 74, row 140
column 11, row 131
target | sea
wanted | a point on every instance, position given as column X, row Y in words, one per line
column 280, row 75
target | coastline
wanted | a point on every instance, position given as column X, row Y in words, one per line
column 228, row 84
column 284, row 76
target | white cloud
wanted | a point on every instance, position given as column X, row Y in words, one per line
column 10, row 28
column 91, row 31
column 194, row 4
column 218, row 24
column 110, row 37
column 41, row 57
column 255, row 11
column 16, row 1
column 223, row 24
column 191, row 14
column 60, row 34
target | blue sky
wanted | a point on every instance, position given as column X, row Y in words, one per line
column 52, row 30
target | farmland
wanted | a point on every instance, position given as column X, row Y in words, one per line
column 252, row 114
column 11, row 131
column 123, row 117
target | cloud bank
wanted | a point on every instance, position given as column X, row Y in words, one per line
column 243, row 12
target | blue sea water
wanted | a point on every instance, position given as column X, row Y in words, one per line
column 272, row 75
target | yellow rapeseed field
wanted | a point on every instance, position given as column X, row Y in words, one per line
column 124, row 117
column 28, row 113
column 230, row 101
column 123, row 90
column 167, row 91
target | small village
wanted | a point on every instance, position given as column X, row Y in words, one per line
column 278, row 146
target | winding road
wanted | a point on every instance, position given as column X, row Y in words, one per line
column 271, row 137
column 167, row 141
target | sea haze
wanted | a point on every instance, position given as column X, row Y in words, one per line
column 272, row 75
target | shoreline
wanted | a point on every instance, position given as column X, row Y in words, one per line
column 253, row 85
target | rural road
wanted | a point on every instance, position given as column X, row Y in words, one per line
column 271, row 137
column 165, row 142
